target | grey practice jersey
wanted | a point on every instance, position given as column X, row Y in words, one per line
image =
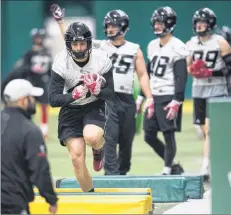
column 123, row 62
column 208, row 51
column 162, row 60
column 64, row 66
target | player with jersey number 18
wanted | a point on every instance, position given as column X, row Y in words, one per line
column 81, row 81
column 209, row 63
column 167, row 68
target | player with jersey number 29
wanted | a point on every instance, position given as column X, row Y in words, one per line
column 127, row 58
column 209, row 63
column 81, row 81
column 167, row 68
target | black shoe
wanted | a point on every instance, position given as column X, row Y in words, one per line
column 177, row 169
column 206, row 178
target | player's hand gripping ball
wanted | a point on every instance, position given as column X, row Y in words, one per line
column 94, row 82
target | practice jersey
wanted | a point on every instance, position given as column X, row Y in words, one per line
column 65, row 66
column 208, row 51
column 162, row 61
column 123, row 63
column 41, row 59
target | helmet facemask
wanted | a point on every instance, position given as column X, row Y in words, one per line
column 118, row 19
column 204, row 15
column 78, row 39
column 165, row 30
column 166, row 17
column 207, row 30
column 79, row 54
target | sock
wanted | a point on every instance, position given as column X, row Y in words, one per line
column 44, row 114
column 167, row 170
column 205, row 167
column 44, row 128
column 92, row 190
column 205, row 162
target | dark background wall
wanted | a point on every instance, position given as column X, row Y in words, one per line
column 19, row 17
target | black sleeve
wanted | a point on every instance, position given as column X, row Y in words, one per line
column 55, row 91
column 36, row 157
column 149, row 73
column 181, row 75
column 225, row 71
column 107, row 91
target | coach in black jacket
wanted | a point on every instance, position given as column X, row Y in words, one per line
column 24, row 162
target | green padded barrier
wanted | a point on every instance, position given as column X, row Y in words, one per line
column 164, row 188
column 194, row 184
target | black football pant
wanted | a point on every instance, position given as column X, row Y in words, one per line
column 120, row 129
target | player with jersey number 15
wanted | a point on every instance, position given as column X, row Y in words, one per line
column 167, row 68
column 209, row 63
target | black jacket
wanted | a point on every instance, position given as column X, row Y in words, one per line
column 22, row 69
column 24, row 162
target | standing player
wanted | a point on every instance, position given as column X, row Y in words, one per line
column 127, row 58
column 35, row 66
column 81, row 81
column 209, row 63
column 168, row 76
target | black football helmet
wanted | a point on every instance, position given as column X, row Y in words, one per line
column 204, row 15
column 78, row 31
column 118, row 18
column 164, row 15
column 38, row 33
column 225, row 32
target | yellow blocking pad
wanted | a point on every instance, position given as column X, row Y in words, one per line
column 102, row 190
column 104, row 204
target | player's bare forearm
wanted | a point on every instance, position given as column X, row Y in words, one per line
column 61, row 27
column 189, row 62
column 143, row 75
column 145, row 85
column 58, row 14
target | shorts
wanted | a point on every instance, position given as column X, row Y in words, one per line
column 72, row 120
column 200, row 110
column 158, row 121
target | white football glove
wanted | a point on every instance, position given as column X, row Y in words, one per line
column 79, row 92
column 173, row 109
column 149, row 106
column 93, row 82
column 139, row 102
